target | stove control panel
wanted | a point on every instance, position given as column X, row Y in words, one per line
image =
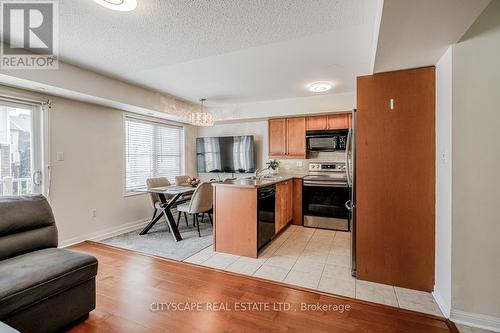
column 327, row 166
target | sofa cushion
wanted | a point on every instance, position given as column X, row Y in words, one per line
column 32, row 277
column 26, row 224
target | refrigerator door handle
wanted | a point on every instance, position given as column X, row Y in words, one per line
column 348, row 205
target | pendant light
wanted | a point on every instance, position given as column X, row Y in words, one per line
column 202, row 118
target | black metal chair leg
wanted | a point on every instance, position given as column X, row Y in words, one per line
column 197, row 224
column 210, row 218
column 186, row 218
column 202, row 217
column 178, row 219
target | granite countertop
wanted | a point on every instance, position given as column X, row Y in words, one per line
column 251, row 182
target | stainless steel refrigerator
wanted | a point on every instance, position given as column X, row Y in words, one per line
column 351, row 181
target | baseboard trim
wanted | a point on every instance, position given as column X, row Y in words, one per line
column 445, row 308
column 475, row 320
column 105, row 233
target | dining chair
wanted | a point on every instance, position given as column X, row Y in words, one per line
column 182, row 180
column 155, row 199
column 201, row 202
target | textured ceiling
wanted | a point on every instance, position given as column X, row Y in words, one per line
column 229, row 51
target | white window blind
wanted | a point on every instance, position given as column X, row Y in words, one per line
column 151, row 150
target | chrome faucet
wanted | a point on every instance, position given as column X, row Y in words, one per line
column 259, row 171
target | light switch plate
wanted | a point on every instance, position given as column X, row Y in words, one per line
column 444, row 157
column 60, row 156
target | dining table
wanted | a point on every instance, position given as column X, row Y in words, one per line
column 175, row 194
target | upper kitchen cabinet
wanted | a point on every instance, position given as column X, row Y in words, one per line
column 316, row 123
column 287, row 137
column 339, row 121
column 328, row 122
column 296, row 137
column 395, row 178
column 277, row 137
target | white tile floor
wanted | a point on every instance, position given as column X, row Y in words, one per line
column 316, row 259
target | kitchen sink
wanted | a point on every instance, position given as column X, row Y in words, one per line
column 272, row 177
column 264, row 177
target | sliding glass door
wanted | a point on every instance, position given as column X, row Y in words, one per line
column 21, row 149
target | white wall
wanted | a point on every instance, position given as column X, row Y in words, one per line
column 84, row 85
column 323, row 103
column 92, row 173
column 476, row 165
column 442, row 288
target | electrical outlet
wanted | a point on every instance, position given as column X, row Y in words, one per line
column 93, row 212
column 299, row 163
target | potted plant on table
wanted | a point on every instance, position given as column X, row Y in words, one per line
column 273, row 166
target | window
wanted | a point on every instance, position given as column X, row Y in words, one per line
column 21, row 148
column 152, row 149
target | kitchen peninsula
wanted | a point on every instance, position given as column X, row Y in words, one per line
column 250, row 212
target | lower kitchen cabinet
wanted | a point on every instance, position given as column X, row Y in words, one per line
column 297, row 201
column 284, row 204
column 242, row 223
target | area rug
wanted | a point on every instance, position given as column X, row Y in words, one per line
column 159, row 242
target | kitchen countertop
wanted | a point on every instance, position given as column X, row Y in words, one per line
column 257, row 183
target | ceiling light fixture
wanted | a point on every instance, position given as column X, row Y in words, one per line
column 319, row 87
column 202, row 118
column 120, row 5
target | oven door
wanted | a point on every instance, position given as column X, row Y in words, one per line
column 324, row 205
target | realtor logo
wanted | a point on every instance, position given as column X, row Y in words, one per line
column 29, row 34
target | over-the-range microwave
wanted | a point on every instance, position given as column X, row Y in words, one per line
column 327, row 140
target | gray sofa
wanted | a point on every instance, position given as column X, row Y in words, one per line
column 42, row 288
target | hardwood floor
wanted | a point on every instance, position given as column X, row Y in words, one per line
column 129, row 282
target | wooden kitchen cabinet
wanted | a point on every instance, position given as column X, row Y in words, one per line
column 277, row 137
column 284, row 204
column 328, row 122
column 241, row 203
column 395, row 178
column 296, row 137
column 235, row 204
column 297, row 201
column 289, row 201
column 338, row 121
column 316, row 123
column 287, row 137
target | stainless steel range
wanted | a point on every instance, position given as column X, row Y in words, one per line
column 324, row 196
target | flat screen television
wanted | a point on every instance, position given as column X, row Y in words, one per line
column 232, row 154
